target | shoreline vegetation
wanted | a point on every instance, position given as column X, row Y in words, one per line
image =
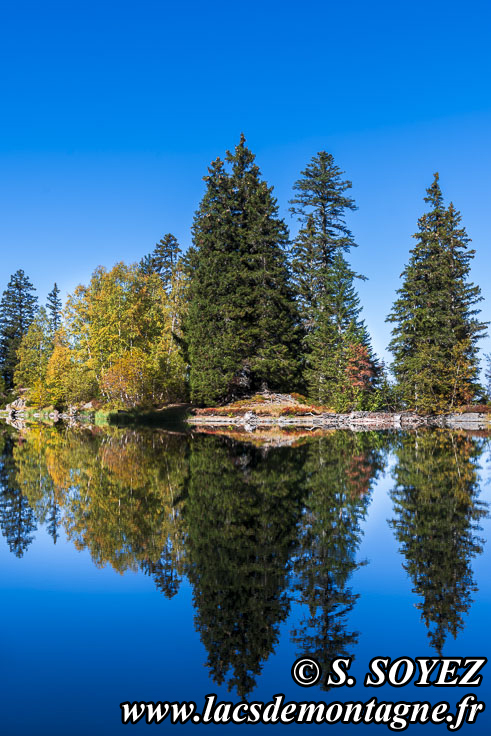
column 263, row 412
column 247, row 311
column 287, row 411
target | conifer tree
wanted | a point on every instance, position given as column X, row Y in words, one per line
column 166, row 260
column 17, row 310
column 434, row 340
column 53, row 307
column 163, row 260
column 241, row 327
column 339, row 367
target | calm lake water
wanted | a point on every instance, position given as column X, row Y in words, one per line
column 149, row 565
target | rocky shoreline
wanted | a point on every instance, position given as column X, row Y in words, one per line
column 249, row 420
column 16, row 414
column 356, row 420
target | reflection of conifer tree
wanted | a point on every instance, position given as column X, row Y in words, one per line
column 340, row 470
column 17, row 519
column 240, row 517
column 437, row 515
column 165, row 571
column 53, row 519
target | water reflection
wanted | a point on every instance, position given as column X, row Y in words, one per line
column 253, row 526
column 339, row 474
column 437, row 514
column 17, row 517
column 240, row 515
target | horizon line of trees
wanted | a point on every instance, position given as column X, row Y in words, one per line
column 246, row 310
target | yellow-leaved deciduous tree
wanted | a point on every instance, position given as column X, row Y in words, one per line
column 123, row 328
column 32, row 360
column 68, row 381
column 128, row 381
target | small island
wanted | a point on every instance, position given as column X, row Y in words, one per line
column 294, row 411
column 252, row 327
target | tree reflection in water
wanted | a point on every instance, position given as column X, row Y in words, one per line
column 437, row 514
column 17, row 517
column 254, row 528
column 339, row 473
column 240, row 516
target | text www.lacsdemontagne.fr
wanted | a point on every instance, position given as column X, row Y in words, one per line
column 396, row 716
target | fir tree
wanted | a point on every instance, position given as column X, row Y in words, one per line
column 339, row 367
column 434, row 341
column 163, row 260
column 53, row 307
column 167, row 262
column 241, row 327
column 17, row 310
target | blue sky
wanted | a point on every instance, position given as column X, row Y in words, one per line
column 111, row 112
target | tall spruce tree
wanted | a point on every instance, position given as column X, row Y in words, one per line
column 53, row 308
column 241, row 328
column 163, row 260
column 434, row 340
column 17, row 310
column 339, row 366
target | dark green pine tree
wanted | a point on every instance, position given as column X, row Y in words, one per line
column 163, row 260
column 17, row 310
column 434, row 340
column 339, row 367
column 53, row 307
column 241, row 329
